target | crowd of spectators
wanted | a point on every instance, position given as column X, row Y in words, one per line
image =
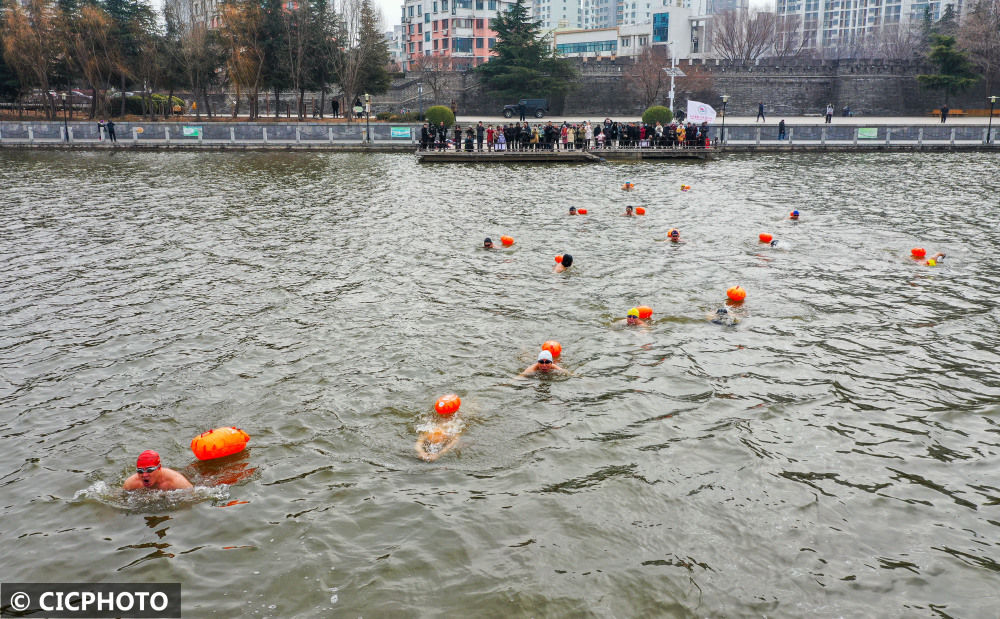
column 522, row 136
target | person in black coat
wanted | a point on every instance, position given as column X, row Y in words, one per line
column 442, row 136
column 424, row 137
column 480, row 134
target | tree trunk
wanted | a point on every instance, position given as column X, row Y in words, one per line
column 322, row 101
column 277, row 104
column 170, row 103
column 302, row 103
column 122, row 113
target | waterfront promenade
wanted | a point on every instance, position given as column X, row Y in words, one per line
column 741, row 134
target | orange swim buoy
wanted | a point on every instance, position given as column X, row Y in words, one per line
column 219, row 443
column 737, row 294
column 645, row 311
column 918, row 252
column 581, row 211
column 559, row 258
column 553, row 347
column 640, row 211
column 507, row 240
column 765, row 237
column 447, row 405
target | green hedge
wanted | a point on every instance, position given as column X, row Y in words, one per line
column 437, row 114
column 133, row 103
column 657, row 114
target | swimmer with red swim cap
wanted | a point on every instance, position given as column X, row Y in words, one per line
column 152, row 475
column 544, row 365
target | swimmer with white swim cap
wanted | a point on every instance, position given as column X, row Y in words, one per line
column 544, row 365
column 724, row 317
column 151, row 475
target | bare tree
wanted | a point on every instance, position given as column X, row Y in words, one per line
column 352, row 65
column 646, row 78
column 788, row 41
column 241, row 39
column 744, row 35
column 31, row 43
column 979, row 36
column 433, row 71
column 92, row 48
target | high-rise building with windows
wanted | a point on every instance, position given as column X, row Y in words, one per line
column 195, row 12
column 831, row 23
column 458, row 30
column 558, row 14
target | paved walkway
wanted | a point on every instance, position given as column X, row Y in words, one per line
column 772, row 120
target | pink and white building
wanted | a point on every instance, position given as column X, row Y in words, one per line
column 458, row 30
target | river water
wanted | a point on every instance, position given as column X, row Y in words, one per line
column 834, row 454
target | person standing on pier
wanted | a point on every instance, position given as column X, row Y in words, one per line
column 111, row 131
column 521, row 109
column 781, row 129
column 760, row 112
column 944, row 113
column 829, row 113
column 480, row 134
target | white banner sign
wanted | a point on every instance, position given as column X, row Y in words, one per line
column 700, row 112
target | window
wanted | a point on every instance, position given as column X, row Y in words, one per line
column 435, row 25
column 411, row 11
column 427, row 18
column 462, row 23
column 460, row 46
column 643, row 41
column 444, row 5
column 420, row 28
column 586, row 48
column 661, row 27
column 493, row 5
column 624, row 42
column 491, row 43
column 479, row 5
column 479, row 24
column 479, row 43
column 444, row 43
column 427, row 37
column 435, row 43
column 435, row 6
column 463, row 4
column 420, row 9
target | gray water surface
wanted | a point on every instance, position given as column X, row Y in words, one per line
column 833, row 454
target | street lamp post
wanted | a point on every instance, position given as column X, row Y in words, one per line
column 368, row 114
column 673, row 69
column 65, row 123
column 989, row 130
column 420, row 99
column 725, row 100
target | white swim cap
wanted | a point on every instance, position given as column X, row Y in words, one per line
column 545, row 356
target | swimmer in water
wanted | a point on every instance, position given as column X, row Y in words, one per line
column 572, row 210
column 488, row 243
column 674, row 236
column 433, row 444
column 723, row 316
column 933, row 260
column 152, row 475
column 544, row 365
column 566, row 263
column 628, row 211
column 632, row 318
column 793, row 215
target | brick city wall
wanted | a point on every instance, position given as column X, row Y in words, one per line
column 789, row 87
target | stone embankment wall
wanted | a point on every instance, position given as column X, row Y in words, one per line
column 791, row 87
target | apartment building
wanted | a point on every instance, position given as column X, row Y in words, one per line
column 458, row 30
column 830, row 23
column 671, row 27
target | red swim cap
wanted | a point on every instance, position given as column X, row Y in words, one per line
column 148, row 458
